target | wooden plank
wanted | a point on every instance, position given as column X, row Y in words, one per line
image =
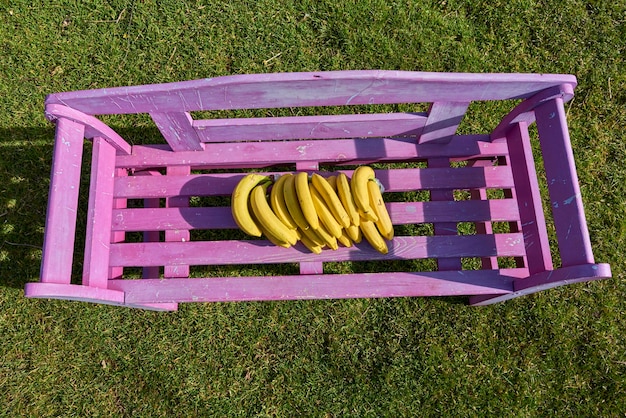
column 74, row 292
column 566, row 200
column 149, row 234
column 263, row 252
column 99, row 212
column 326, row 286
column 118, row 235
column 444, row 228
column 532, row 219
column 259, row 154
column 547, row 280
column 524, row 112
column 177, row 234
column 58, row 243
column 311, row 267
column 443, row 121
column 397, row 180
column 250, row 91
column 401, row 213
column 484, row 227
column 92, row 126
column 177, row 130
column 310, row 127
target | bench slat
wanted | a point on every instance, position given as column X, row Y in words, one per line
column 177, row 130
column 259, row 154
column 310, row 127
column 315, row 286
column 443, row 121
column 254, row 91
column 401, row 213
column 263, row 252
column 400, row 180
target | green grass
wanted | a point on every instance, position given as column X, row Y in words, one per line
column 561, row 352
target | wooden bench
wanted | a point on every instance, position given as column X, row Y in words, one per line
column 472, row 225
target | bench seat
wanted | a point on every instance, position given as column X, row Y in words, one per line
column 467, row 209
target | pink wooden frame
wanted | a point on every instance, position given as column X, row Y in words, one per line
column 206, row 158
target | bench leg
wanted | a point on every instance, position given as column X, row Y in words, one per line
column 567, row 206
column 56, row 265
column 58, row 247
column 98, row 236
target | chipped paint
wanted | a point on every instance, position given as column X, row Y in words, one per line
column 569, row 200
column 302, row 149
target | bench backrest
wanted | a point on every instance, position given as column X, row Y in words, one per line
column 170, row 105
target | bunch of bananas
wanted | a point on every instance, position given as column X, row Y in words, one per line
column 315, row 210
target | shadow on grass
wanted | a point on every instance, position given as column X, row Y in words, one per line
column 25, row 164
column 25, row 157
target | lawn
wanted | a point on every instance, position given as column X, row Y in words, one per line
column 561, row 352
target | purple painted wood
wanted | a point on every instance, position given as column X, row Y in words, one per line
column 567, row 206
column 524, row 112
column 444, row 228
column 177, row 130
column 484, row 227
column 308, row 143
column 58, row 245
column 92, row 126
column 222, row 184
column 401, row 213
column 149, row 234
column 175, row 235
column 326, row 286
column 99, row 211
column 310, row 127
column 532, row 219
column 350, row 151
column 549, row 279
column 117, row 272
column 443, row 120
column 90, row 294
column 333, row 88
column 263, row 252
column 74, row 292
column 307, row 165
column 311, row 267
column 118, row 235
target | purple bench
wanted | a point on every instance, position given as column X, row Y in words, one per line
column 159, row 192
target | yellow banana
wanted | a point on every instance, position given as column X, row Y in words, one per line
column 345, row 195
column 332, row 180
column 376, row 201
column 312, row 236
column 325, row 235
column 331, row 199
column 306, row 201
column 239, row 203
column 267, row 218
column 358, row 186
column 293, row 206
column 269, row 236
column 315, row 248
column 344, row 239
column 372, row 236
column 326, row 217
column 354, row 233
column 277, row 202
